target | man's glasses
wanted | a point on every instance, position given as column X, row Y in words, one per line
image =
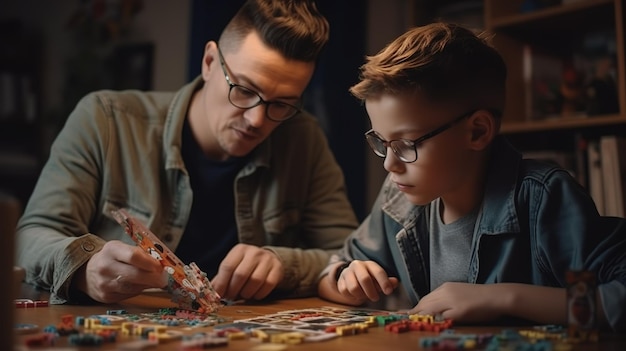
column 404, row 149
column 246, row 98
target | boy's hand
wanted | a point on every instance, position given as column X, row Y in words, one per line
column 119, row 271
column 463, row 302
column 248, row 272
column 365, row 280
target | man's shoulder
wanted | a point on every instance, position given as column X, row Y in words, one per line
column 133, row 102
column 127, row 106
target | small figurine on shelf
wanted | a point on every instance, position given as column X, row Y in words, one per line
column 602, row 91
column 572, row 91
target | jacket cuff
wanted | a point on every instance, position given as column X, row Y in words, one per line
column 290, row 279
column 76, row 254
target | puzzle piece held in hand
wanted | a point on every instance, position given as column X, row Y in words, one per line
column 189, row 286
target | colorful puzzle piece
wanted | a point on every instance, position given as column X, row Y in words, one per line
column 189, row 286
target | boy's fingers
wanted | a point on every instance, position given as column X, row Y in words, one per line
column 384, row 283
column 369, row 288
column 394, row 282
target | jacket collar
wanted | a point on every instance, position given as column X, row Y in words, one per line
column 173, row 128
column 497, row 214
column 172, row 133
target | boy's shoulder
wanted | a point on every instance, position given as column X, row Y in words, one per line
column 542, row 170
column 509, row 165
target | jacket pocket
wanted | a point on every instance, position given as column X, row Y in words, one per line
column 140, row 215
column 281, row 227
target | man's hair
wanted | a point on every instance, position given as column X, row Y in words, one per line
column 293, row 27
column 446, row 62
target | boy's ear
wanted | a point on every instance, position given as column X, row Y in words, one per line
column 484, row 129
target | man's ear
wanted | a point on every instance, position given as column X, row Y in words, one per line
column 210, row 55
column 484, row 128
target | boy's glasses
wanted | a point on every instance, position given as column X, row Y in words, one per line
column 404, row 149
column 246, row 98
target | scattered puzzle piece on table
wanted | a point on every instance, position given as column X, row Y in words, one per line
column 286, row 328
column 25, row 328
column 42, row 339
column 189, row 286
column 28, row 303
column 200, row 341
column 323, row 323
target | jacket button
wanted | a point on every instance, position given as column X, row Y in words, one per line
column 168, row 237
column 88, row 246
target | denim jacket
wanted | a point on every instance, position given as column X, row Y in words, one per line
column 123, row 150
column 535, row 223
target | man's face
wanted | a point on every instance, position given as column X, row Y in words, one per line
column 442, row 162
column 223, row 130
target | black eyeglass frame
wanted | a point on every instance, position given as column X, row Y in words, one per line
column 231, row 85
column 371, row 134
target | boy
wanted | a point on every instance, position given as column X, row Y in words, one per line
column 462, row 226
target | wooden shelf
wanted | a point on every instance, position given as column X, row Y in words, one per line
column 562, row 123
column 548, row 17
column 558, row 30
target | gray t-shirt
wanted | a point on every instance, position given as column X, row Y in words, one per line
column 450, row 247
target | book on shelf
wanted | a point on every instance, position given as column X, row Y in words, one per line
column 613, row 160
column 581, row 162
column 594, row 171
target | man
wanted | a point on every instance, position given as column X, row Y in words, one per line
column 228, row 172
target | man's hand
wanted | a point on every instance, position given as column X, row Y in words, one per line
column 119, row 271
column 248, row 272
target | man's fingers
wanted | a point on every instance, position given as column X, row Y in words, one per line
column 267, row 280
column 226, row 270
column 256, row 281
column 236, row 280
column 253, row 277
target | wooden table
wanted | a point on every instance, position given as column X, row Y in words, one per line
column 375, row 339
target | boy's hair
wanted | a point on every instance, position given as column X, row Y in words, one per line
column 446, row 62
column 293, row 27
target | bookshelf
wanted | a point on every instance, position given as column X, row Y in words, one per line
column 581, row 35
column 559, row 29
column 546, row 44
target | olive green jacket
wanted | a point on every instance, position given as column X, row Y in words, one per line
column 123, row 150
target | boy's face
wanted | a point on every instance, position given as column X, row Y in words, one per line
column 444, row 162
